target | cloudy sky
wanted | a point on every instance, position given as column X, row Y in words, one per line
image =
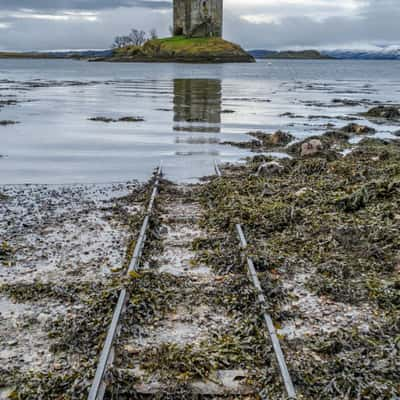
column 269, row 24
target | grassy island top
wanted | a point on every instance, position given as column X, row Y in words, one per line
column 181, row 45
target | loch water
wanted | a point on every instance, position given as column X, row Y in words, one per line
column 188, row 111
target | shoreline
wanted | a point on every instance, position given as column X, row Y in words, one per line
column 322, row 227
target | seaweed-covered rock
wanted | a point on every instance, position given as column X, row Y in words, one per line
column 337, row 136
column 276, row 139
column 320, row 146
column 385, row 112
column 131, row 119
column 264, row 141
column 269, row 168
column 101, row 119
column 7, row 122
column 6, row 254
column 122, row 119
column 311, row 148
column 357, row 129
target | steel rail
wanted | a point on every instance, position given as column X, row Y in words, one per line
column 99, row 386
column 217, row 169
column 287, row 380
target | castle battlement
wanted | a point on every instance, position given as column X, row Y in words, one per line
column 198, row 18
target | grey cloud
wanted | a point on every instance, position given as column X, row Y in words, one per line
column 87, row 5
column 33, row 34
column 375, row 22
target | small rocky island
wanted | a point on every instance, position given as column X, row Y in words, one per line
column 197, row 38
column 181, row 49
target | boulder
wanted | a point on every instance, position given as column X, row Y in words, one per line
column 386, row 112
column 397, row 133
column 276, row 139
column 269, row 168
column 311, row 148
column 280, row 138
column 358, row 129
column 7, row 122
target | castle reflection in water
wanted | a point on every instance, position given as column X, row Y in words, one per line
column 197, row 105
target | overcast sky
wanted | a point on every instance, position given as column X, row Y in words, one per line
column 268, row 24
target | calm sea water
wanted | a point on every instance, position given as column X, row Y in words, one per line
column 188, row 111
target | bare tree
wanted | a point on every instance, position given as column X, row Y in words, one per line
column 137, row 37
column 118, row 42
column 153, row 34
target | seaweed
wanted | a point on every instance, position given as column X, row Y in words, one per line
column 38, row 291
column 336, row 220
column 122, row 119
column 352, row 364
column 6, row 254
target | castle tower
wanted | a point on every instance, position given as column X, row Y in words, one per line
column 198, row 18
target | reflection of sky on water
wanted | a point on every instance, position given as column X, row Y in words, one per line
column 187, row 112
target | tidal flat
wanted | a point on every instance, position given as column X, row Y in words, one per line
column 317, row 196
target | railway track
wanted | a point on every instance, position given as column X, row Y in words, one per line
column 184, row 321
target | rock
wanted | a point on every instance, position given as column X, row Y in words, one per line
column 43, row 318
column 337, row 136
column 346, row 102
column 131, row 349
column 302, row 192
column 311, row 148
column 7, row 122
column 397, row 133
column 276, row 139
column 269, row 168
column 131, row 119
column 387, row 112
column 163, row 230
column 281, row 138
column 101, row 119
column 123, row 119
column 58, row 366
column 358, row 129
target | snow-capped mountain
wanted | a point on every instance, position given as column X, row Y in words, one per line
column 372, row 53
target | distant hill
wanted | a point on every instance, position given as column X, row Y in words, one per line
column 290, row 55
column 299, row 55
column 57, row 54
column 373, row 53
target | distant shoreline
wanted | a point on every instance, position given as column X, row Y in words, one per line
column 107, row 56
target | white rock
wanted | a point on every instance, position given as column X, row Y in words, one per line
column 312, row 147
column 269, row 168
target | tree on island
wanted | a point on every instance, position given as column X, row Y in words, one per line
column 135, row 38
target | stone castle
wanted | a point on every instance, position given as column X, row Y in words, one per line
column 198, row 18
